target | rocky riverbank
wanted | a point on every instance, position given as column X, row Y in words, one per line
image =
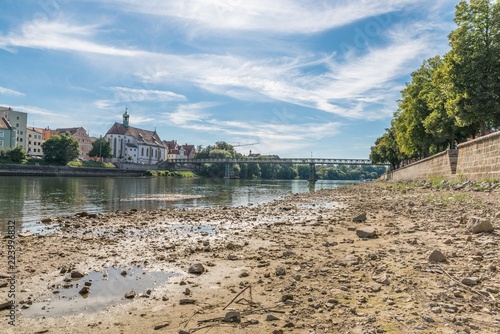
column 368, row 258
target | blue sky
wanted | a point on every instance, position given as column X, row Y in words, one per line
column 296, row 77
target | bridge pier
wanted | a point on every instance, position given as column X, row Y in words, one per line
column 228, row 173
column 312, row 173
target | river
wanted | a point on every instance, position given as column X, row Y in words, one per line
column 27, row 200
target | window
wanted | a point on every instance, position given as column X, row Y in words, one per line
column 17, row 125
column 29, row 136
column 1, row 143
column 1, row 134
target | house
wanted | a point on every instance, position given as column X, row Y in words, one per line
column 189, row 151
column 79, row 133
column 8, row 135
column 172, row 149
column 18, row 122
column 34, row 141
column 130, row 144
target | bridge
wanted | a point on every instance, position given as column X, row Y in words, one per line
column 312, row 162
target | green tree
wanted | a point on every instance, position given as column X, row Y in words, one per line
column 386, row 149
column 100, row 148
column 16, row 154
column 474, row 64
column 61, row 148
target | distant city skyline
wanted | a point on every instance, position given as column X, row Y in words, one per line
column 295, row 77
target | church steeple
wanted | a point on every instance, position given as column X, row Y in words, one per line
column 125, row 118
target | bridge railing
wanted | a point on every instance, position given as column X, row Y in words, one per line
column 273, row 160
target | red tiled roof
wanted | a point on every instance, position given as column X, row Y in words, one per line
column 140, row 135
column 4, row 124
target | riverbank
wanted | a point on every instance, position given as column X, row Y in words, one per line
column 354, row 259
column 66, row 171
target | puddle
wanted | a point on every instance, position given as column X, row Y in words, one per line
column 107, row 288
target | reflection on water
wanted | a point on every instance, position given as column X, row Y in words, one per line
column 105, row 288
column 27, row 200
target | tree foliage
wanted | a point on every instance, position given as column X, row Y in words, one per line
column 450, row 99
column 474, row 64
column 101, row 148
column 61, row 148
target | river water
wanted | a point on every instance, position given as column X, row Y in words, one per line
column 27, row 200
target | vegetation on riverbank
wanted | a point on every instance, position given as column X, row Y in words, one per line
column 180, row 174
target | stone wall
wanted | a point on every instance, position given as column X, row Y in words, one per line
column 480, row 158
column 23, row 170
column 439, row 165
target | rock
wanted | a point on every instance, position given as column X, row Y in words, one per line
column 162, row 325
column 232, row 257
column 366, row 232
column 360, row 218
column 76, row 274
column 427, row 318
column 130, row 295
column 478, row 225
column 271, row 317
column 197, row 269
column 187, row 301
column 4, row 285
column 84, row 291
column 244, row 274
column 284, row 298
column 46, row 220
column 5, row 306
column 350, row 260
column 234, row 317
column 381, row 278
column 280, row 271
column 437, row 256
column 471, row 281
column 187, row 292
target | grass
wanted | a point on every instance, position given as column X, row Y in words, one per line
column 180, row 174
column 94, row 164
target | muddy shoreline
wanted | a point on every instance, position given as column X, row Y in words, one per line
column 302, row 264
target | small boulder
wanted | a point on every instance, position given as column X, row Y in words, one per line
column 360, row 218
column 366, row 232
column 196, row 269
column 130, row 295
column 76, row 274
column 84, row 291
column 478, row 225
column 437, row 256
column 233, row 317
column 471, row 281
column 280, row 271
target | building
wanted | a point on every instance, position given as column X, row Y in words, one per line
column 189, row 151
column 18, row 121
column 130, row 144
column 79, row 133
column 34, row 137
column 7, row 135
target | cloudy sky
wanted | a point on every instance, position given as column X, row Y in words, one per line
column 292, row 77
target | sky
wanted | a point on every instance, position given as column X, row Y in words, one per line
column 296, row 78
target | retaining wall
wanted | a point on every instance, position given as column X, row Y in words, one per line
column 480, row 158
column 474, row 160
column 439, row 165
column 22, row 170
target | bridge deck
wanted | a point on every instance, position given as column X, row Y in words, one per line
column 293, row 161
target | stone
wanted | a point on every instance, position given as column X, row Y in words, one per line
column 437, row 256
column 84, row 291
column 130, row 295
column 470, row 281
column 427, row 318
column 162, row 325
column 197, row 269
column 366, row 232
column 284, row 298
column 187, row 301
column 46, row 220
column 280, row 271
column 271, row 317
column 76, row 274
column 5, row 306
column 360, row 218
column 233, row 317
column 350, row 260
column 232, row 257
column 478, row 225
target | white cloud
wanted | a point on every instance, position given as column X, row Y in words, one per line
column 279, row 16
column 7, row 91
column 124, row 94
column 63, row 36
